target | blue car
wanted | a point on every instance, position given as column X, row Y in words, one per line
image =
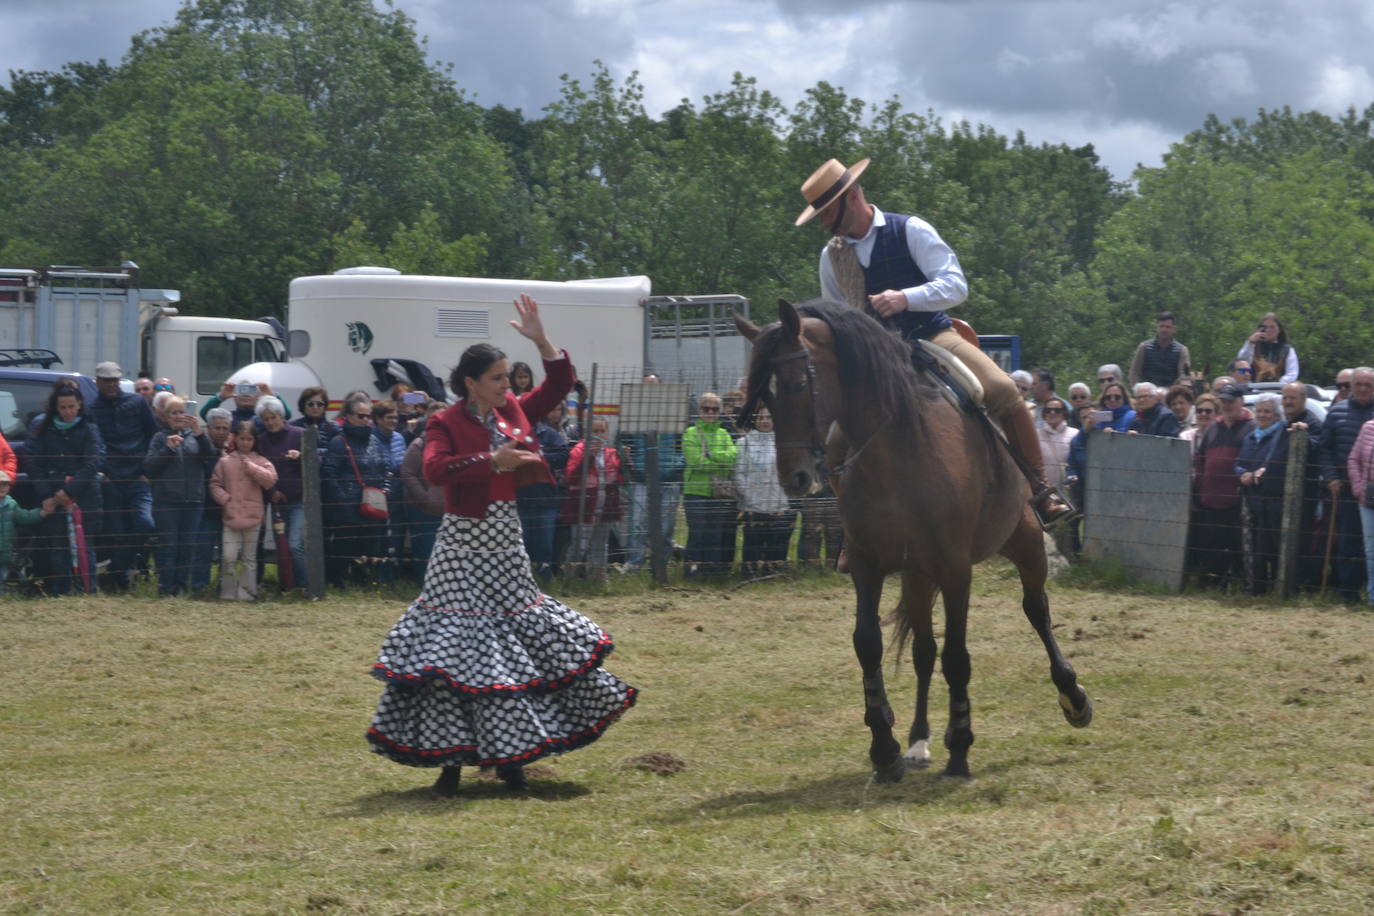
column 23, row 395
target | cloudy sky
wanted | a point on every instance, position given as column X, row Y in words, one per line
column 1129, row 76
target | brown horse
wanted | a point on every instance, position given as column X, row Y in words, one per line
column 927, row 491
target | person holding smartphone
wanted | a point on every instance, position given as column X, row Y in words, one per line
column 1269, row 353
column 179, row 463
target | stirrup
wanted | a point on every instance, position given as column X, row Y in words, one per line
column 1051, row 508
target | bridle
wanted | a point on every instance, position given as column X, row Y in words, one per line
column 817, row 441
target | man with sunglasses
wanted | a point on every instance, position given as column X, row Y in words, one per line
column 1342, row 385
column 898, row 269
column 1161, row 360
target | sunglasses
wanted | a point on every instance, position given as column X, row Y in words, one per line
column 710, row 410
column 162, row 387
column 1106, row 379
column 1240, row 371
column 1112, row 397
column 316, row 404
column 1078, row 397
column 1203, row 411
column 1053, row 410
column 1342, row 385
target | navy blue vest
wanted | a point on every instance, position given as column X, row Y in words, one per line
column 891, row 267
column 1161, row 366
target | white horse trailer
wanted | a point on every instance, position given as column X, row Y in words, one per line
column 368, row 328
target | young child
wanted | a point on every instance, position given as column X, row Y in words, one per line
column 237, row 485
column 10, row 516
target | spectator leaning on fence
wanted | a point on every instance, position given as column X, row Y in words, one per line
column 280, row 444
column 1152, row 418
column 1214, row 473
column 1261, row 466
column 1339, row 432
column 1269, row 352
column 178, row 465
column 1360, row 468
column 1161, row 359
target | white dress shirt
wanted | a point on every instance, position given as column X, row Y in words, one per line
column 946, row 285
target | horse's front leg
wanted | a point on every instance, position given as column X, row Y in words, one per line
column 1026, row 548
column 884, row 750
column 918, row 598
column 958, row 670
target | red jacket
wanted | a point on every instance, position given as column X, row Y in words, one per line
column 612, row 480
column 458, row 447
column 8, row 463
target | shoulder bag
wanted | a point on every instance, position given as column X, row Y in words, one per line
column 373, row 505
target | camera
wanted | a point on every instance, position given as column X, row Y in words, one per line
column 413, row 397
column 243, row 388
column 192, row 407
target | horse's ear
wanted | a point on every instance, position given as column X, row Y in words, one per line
column 747, row 328
column 791, row 321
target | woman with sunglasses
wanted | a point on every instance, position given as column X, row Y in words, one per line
column 1270, row 355
column 708, row 455
column 1114, row 399
column 313, row 403
column 1204, row 412
column 1056, row 435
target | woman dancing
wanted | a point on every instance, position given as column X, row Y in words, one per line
column 483, row 669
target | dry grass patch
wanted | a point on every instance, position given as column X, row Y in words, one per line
column 186, row 756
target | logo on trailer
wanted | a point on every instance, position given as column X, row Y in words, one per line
column 359, row 337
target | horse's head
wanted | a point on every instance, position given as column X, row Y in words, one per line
column 792, row 372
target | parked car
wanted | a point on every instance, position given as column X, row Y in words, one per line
column 1318, row 399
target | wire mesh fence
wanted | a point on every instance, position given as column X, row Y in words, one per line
column 650, row 480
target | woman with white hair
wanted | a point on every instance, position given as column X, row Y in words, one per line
column 1260, row 466
column 179, row 462
column 280, row 443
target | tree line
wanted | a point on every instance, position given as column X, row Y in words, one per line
column 253, row 141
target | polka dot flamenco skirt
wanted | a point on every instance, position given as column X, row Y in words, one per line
column 483, row 668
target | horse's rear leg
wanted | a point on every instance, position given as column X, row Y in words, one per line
column 958, row 670
column 884, row 750
column 1026, row 548
column 918, row 599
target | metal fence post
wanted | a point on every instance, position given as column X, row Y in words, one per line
column 1290, row 529
column 653, row 489
column 314, row 520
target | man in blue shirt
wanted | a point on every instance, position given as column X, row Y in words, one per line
column 127, row 425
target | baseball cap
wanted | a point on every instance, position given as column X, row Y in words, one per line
column 109, row 369
column 1230, row 392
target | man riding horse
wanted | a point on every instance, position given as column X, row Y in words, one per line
column 898, row 269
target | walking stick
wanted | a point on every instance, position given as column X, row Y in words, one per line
column 1330, row 542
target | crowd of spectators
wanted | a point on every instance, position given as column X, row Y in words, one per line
column 145, row 482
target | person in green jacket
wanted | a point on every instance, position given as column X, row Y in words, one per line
column 708, row 455
column 10, row 516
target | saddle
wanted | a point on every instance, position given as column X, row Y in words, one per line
column 959, row 385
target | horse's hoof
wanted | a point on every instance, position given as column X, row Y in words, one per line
column 446, row 786
column 1081, row 717
column 917, row 757
column 961, row 772
column 893, row 772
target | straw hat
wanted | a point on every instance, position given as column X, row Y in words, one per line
column 826, row 184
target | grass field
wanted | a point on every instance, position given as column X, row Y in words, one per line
column 177, row 756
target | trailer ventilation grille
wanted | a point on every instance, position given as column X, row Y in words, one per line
column 451, row 322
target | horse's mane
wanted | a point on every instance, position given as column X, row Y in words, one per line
column 875, row 363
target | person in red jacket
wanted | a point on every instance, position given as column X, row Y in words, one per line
column 592, row 505
column 484, row 669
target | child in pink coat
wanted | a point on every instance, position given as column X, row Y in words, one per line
column 238, row 483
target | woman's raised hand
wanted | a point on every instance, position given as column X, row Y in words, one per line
column 531, row 326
